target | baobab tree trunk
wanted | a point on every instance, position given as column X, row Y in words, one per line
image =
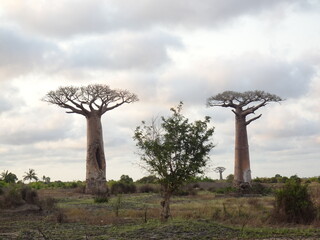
column 220, row 172
column 96, row 164
column 242, row 172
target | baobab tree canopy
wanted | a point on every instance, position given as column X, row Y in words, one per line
column 243, row 104
column 92, row 102
column 83, row 100
column 246, row 102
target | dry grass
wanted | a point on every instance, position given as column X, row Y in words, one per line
column 250, row 211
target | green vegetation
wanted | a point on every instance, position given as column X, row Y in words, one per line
column 293, row 203
column 8, row 177
column 124, row 185
column 207, row 215
column 30, row 175
column 199, row 210
column 175, row 151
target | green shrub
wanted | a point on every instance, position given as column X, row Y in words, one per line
column 2, row 185
column 148, row 179
column 37, row 185
column 126, row 179
column 258, row 188
column 18, row 194
column 293, row 203
column 230, row 178
column 101, row 199
column 121, row 187
column 11, row 197
column 186, row 190
column 148, row 188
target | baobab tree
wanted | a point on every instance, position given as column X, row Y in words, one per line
column 220, row 170
column 92, row 102
column 243, row 104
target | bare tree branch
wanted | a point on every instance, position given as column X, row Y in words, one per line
column 83, row 100
column 246, row 99
column 251, row 120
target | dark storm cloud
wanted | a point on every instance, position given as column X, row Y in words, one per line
column 67, row 18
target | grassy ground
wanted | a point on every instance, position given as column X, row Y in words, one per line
column 136, row 216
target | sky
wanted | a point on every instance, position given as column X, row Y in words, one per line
column 165, row 52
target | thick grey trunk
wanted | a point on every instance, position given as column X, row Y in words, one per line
column 242, row 172
column 96, row 164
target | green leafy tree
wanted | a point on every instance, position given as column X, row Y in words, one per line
column 230, row 178
column 8, row 177
column 126, row 179
column 30, row 175
column 148, row 179
column 175, row 151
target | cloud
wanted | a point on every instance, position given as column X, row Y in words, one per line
column 5, row 105
column 68, row 18
column 22, row 53
column 197, row 81
column 35, row 125
column 147, row 50
column 284, row 78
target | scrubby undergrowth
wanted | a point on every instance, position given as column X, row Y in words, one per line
column 200, row 215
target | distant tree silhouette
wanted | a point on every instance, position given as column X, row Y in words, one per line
column 30, row 175
column 220, row 170
column 8, row 177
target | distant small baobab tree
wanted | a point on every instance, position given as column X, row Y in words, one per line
column 242, row 104
column 92, row 102
column 220, row 170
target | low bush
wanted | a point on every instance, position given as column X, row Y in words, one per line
column 293, row 203
column 29, row 195
column 258, row 188
column 102, row 198
column 186, row 190
column 148, row 179
column 18, row 194
column 11, row 197
column 148, row 188
column 120, row 187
